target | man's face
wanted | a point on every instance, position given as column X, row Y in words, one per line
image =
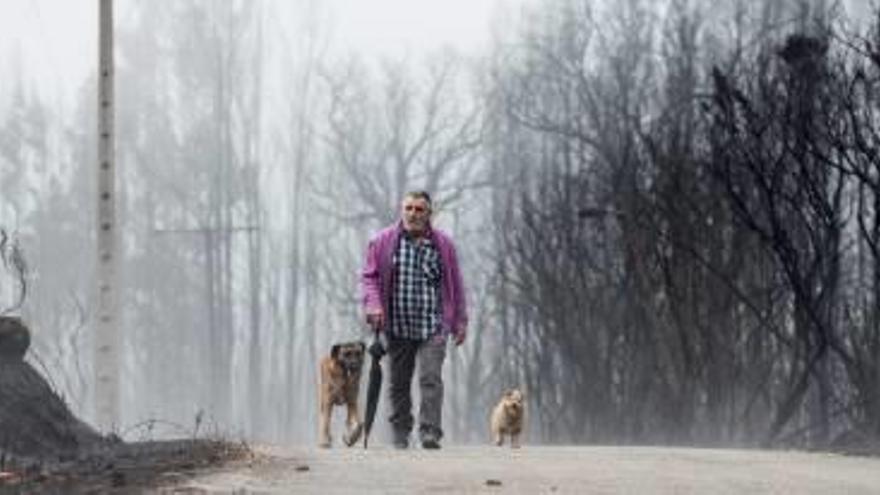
column 415, row 213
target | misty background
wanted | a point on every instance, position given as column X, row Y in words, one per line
column 665, row 211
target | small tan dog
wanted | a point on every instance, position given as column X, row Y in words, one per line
column 340, row 385
column 508, row 418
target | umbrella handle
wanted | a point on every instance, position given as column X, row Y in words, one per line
column 379, row 346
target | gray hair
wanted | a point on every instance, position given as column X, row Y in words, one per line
column 420, row 195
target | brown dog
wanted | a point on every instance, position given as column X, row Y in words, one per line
column 340, row 385
column 508, row 417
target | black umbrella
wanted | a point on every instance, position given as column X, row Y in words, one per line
column 377, row 350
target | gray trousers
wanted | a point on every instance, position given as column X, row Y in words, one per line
column 404, row 354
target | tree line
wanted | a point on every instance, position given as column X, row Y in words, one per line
column 689, row 256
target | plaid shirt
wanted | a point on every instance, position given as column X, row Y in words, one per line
column 415, row 304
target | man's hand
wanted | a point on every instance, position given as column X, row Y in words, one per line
column 376, row 319
column 459, row 336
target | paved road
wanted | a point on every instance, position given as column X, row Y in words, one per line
column 534, row 469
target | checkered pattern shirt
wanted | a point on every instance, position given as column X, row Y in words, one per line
column 415, row 304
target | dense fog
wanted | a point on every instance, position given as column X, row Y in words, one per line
column 665, row 212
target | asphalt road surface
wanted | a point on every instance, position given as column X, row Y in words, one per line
column 538, row 469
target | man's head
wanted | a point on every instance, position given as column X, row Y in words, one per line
column 416, row 212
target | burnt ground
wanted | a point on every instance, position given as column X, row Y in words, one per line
column 45, row 448
column 119, row 468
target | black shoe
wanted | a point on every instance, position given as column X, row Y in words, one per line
column 401, row 440
column 430, row 443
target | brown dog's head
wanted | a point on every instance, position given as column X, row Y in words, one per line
column 349, row 355
column 512, row 401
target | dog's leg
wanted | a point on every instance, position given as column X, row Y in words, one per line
column 514, row 440
column 499, row 438
column 354, row 425
column 324, row 426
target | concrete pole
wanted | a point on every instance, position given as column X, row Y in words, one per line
column 106, row 331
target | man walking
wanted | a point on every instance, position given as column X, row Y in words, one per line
column 412, row 290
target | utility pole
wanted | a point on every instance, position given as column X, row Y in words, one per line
column 107, row 328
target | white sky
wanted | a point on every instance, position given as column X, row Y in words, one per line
column 389, row 26
column 59, row 37
column 55, row 36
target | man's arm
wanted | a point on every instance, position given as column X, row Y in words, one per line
column 371, row 295
column 459, row 333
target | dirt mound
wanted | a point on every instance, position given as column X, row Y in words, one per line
column 44, row 447
column 34, row 421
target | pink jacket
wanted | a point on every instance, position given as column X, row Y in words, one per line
column 377, row 277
